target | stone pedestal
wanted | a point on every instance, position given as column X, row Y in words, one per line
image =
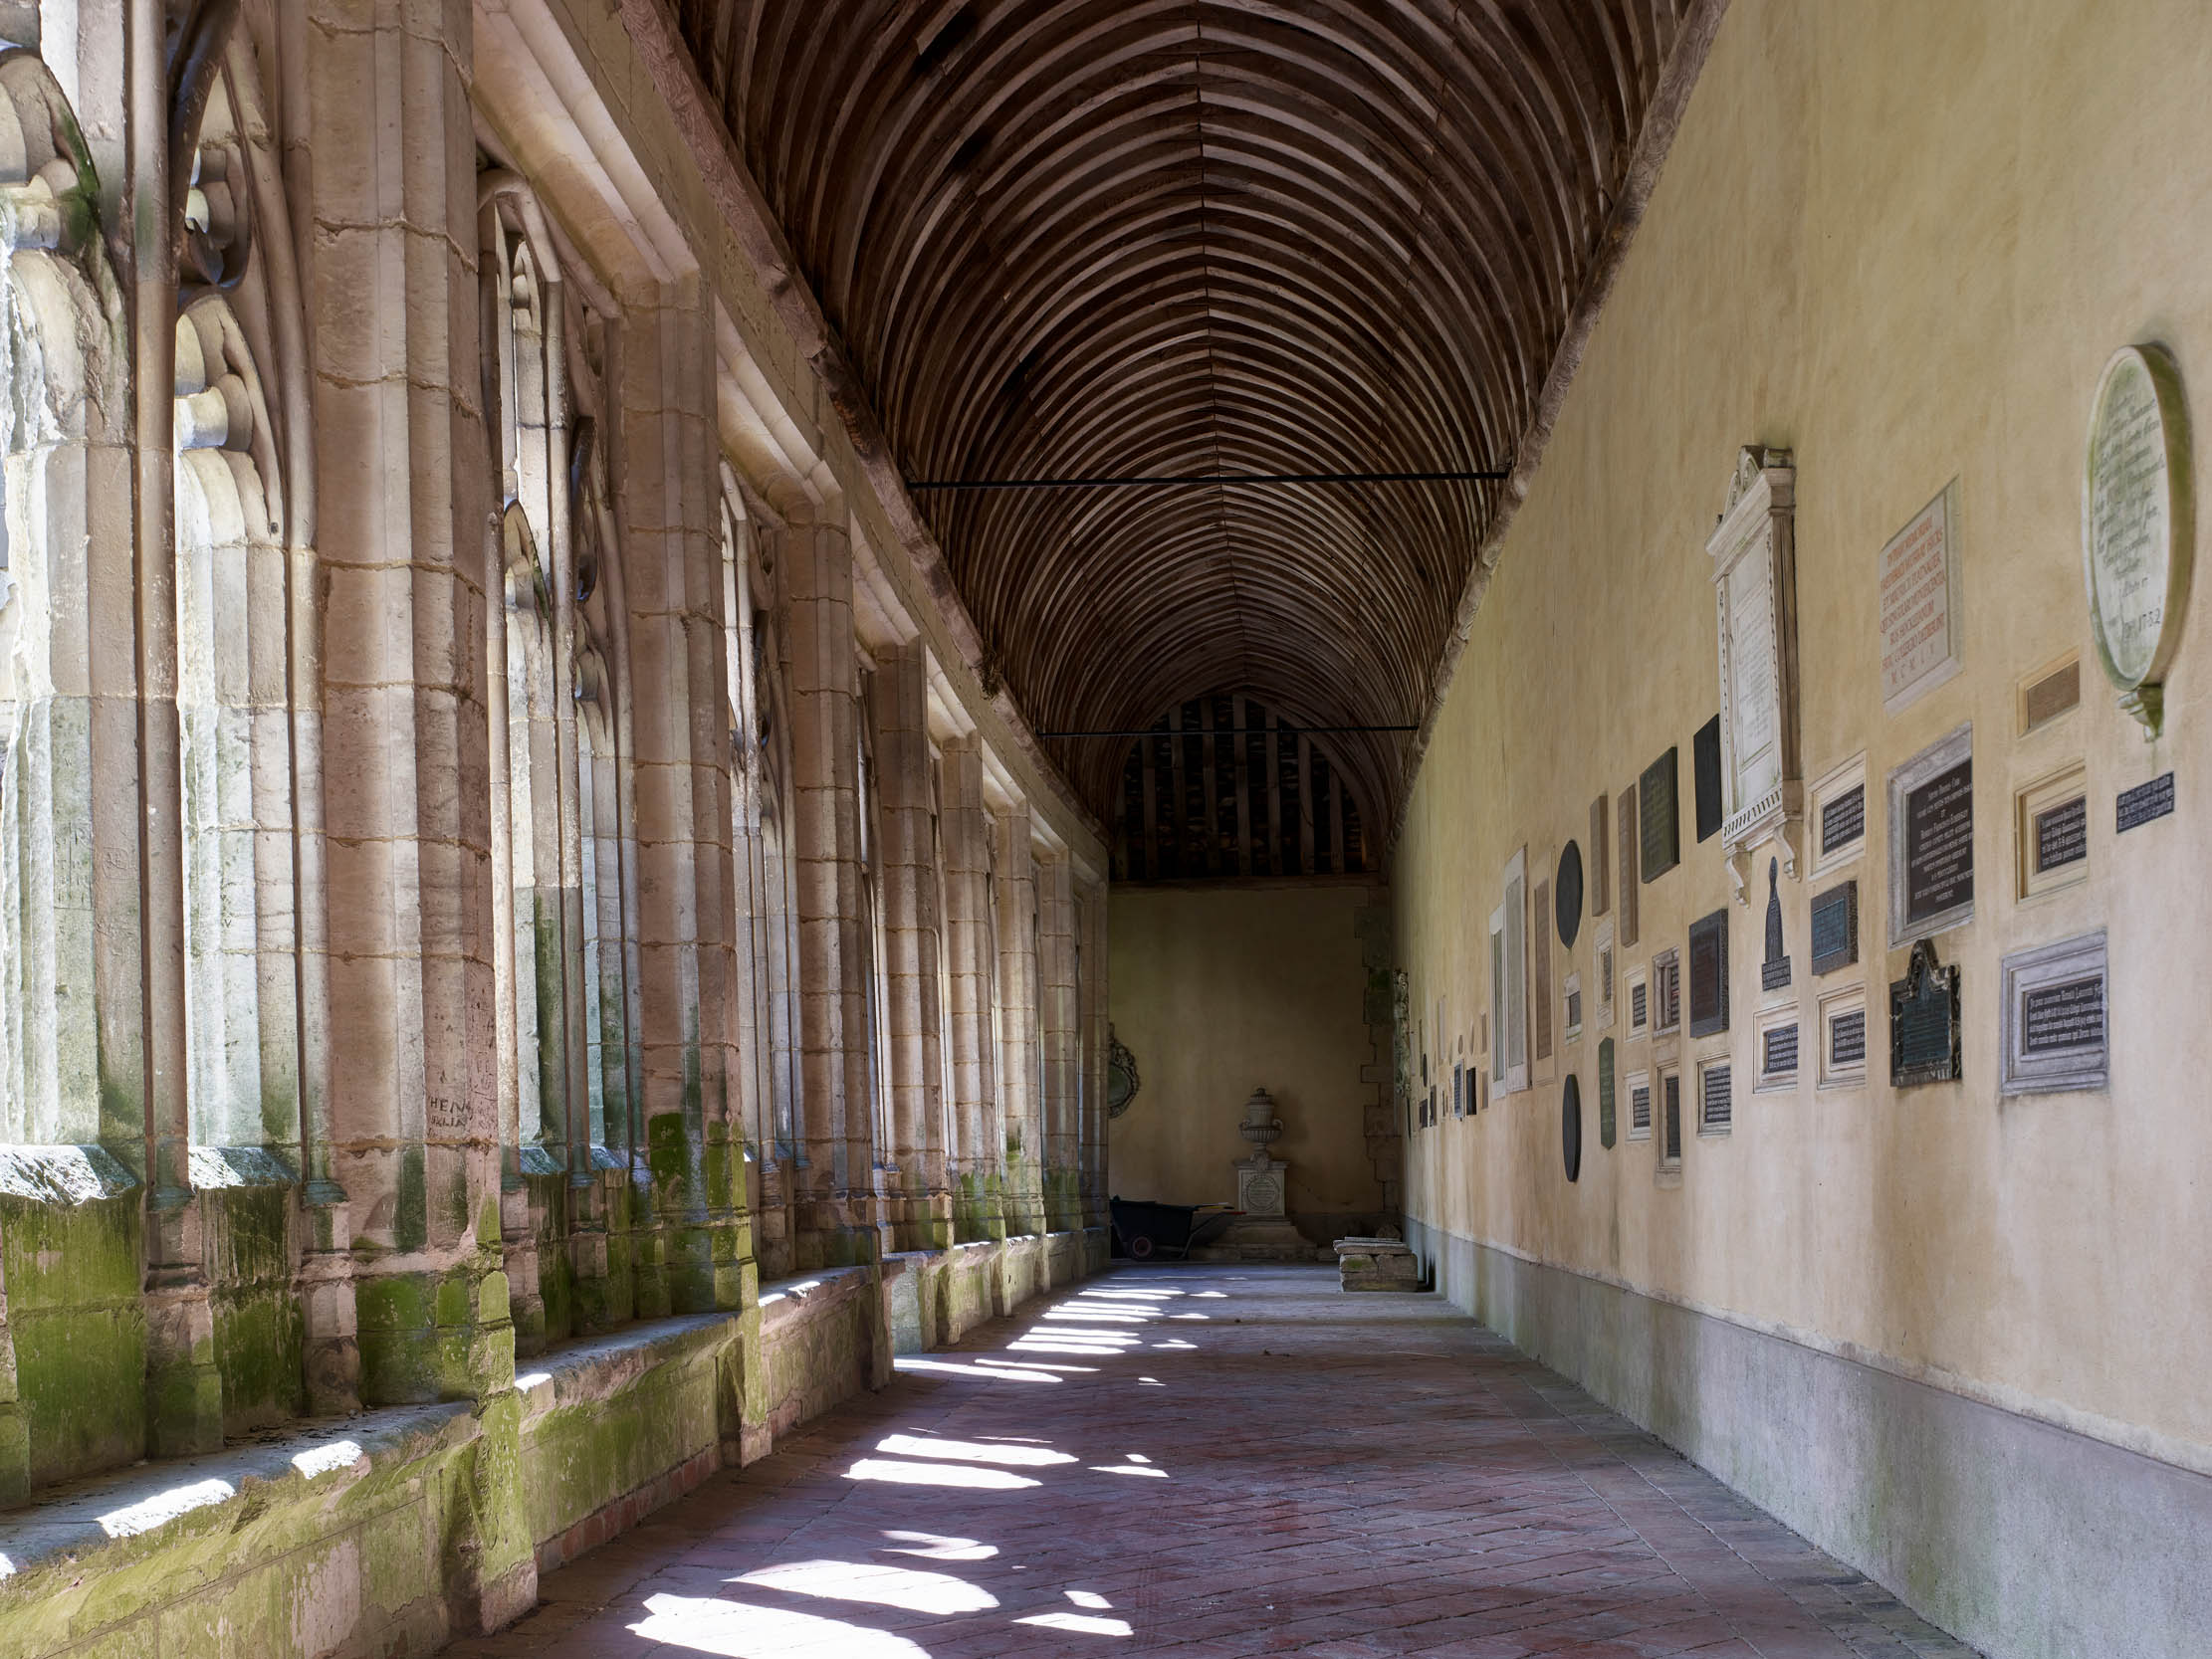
column 1377, row 1264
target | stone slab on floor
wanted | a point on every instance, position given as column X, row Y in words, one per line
column 1217, row 1461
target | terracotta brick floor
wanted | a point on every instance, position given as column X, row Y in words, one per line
column 1214, row 1462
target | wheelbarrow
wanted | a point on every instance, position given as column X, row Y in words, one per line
column 1145, row 1230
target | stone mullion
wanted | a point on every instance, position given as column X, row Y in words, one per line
column 1015, row 898
column 832, row 1033
column 966, row 828
column 1059, row 1021
column 911, row 944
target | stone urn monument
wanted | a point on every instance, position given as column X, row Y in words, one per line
column 1259, row 1177
column 1263, row 1232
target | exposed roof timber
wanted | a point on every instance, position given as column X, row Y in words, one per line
column 1113, row 237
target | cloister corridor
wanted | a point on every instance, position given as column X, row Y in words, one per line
column 1213, row 1461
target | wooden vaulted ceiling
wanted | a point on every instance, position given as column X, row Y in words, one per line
column 1114, row 237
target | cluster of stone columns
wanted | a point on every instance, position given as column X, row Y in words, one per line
column 579, row 1010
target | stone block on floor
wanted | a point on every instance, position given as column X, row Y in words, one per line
column 1377, row 1264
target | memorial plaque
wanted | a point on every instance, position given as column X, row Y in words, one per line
column 2053, row 1034
column 1774, row 966
column 1601, row 854
column 1458, row 1089
column 1923, row 1021
column 2147, row 801
column 1931, row 840
column 1846, row 1039
column 1627, row 841
column 1705, row 753
column 2136, row 528
column 2063, row 834
column 1606, row 1094
column 1843, row 821
column 1749, row 781
column 1940, row 843
column 1778, row 1050
column 1921, row 645
column 1835, row 928
column 1570, row 1127
column 1708, row 974
column 1640, row 1011
column 1717, row 1104
column 1567, row 894
column 1667, row 991
column 1542, row 977
column 1573, row 1005
column 1670, row 1110
column 2048, row 696
column 1639, row 1109
column 2068, row 1015
column 1659, row 832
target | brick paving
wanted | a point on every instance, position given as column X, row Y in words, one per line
column 1223, row 1461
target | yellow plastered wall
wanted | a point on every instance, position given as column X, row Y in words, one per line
column 1216, row 990
column 1900, row 240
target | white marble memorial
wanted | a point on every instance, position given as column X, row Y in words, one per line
column 2137, row 530
column 1762, row 788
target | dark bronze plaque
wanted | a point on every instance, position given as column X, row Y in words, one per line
column 1704, row 766
column 1606, row 1094
column 1843, row 821
column 1923, row 1021
column 1835, row 928
column 1778, row 1050
column 1627, row 841
column 1639, row 1109
column 1601, row 854
column 1719, row 1091
column 2068, row 1015
column 1846, row 1039
column 1570, row 1127
column 2139, row 805
column 1661, row 831
column 1940, row 843
column 1458, row 1089
column 1639, row 998
column 1671, row 1109
column 1708, row 974
column 2063, row 834
column 1567, row 894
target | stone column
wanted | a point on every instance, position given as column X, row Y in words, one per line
column 977, row 1161
column 912, row 942
column 835, row 1188
column 401, row 478
column 693, row 1153
column 1021, row 1080
column 184, row 1392
column 1090, row 913
column 1059, row 1023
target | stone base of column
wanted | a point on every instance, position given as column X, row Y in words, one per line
column 325, row 1286
column 835, row 1230
column 184, row 1388
column 434, row 1334
column 519, row 1254
column 495, row 1580
column 978, row 1208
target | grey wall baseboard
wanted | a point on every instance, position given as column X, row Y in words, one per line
column 2027, row 1540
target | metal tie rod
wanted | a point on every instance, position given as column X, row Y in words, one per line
column 1229, row 731
column 1208, row 480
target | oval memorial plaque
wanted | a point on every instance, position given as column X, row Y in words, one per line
column 1570, row 1127
column 1567, row 894
column 2136, row 528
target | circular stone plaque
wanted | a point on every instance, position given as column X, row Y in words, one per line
column 1567, row 894
column 1570, row 1126
column 2136, row 527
